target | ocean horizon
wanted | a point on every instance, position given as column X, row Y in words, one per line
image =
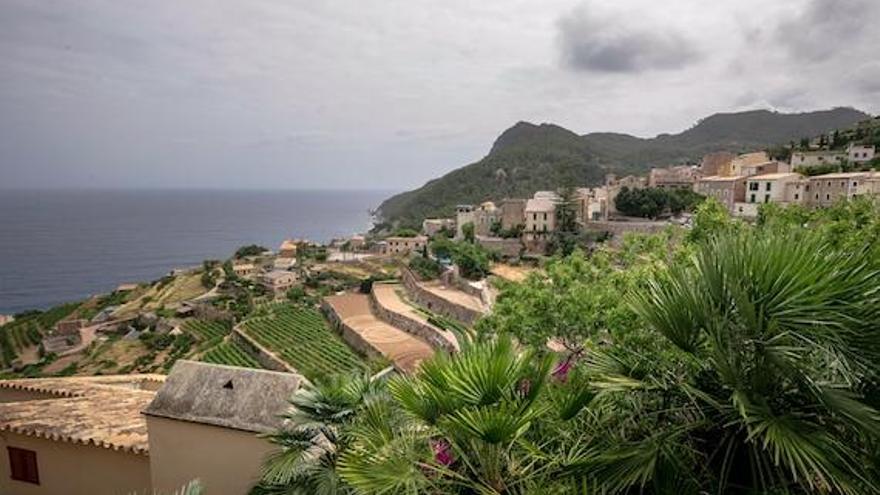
column 60, row 245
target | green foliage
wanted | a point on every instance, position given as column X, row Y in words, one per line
column 301, row 337
column 472, row 260
column 710, row 218
column 467, row 232
column 230, row 353
column 426, row 268
column 405, row 232
column 653, row 202
column 250, row 250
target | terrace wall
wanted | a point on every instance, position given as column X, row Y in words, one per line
column 352, row 338
column 435, row 303
column 265, row 357
column 408, row 324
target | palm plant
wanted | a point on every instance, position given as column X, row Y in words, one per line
column 778, row 338
column 309, row 442
column 461, row 425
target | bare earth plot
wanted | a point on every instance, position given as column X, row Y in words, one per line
column 454, row 296
column 389, row 297
column 405, row 350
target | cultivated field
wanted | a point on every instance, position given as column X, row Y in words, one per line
column 301, row 337
column 230, row 353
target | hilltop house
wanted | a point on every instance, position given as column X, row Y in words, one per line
column 727, row 190
column 808, row 159
column 288, row 248
column 278, row 281
column 140, row 433
column 767, row 188
column 243, row 269
column 678, row 177
column 738, row 164
column 432, row 226
column 825, row 190
column 403, row 245
column 513, row 213
column 716, row 163
column 859, row 153
column 540, row 217
column 464, row 214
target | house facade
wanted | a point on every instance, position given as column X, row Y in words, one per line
column 540, row 218
column 807, row 159
column 139, row 434
column 727, row 190
column 859, row 153
column 278, row 281
column 432, row 226
column 404, row 245
column 767, row 188
column 678, row 177
column 513, row 213
column 825, row 190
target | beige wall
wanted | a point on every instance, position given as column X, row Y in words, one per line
column 226, row 461
column 13, row 395
column 74, row 469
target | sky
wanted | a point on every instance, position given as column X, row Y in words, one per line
column 367, row 94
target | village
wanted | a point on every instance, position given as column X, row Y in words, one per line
column 146, row 383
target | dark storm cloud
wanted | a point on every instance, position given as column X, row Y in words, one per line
column 826, row 27
column 593, row 43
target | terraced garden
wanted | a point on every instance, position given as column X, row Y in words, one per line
column 230, row 353
column 28, row 330
column 301, row 337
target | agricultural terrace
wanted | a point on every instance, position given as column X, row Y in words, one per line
column 230, row 353
column 209, row 333
column 302, row 338
column 27, row 331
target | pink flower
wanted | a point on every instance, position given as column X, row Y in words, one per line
column 562, row 369
column 442, row 452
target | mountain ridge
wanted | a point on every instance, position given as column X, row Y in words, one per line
column 527, row 157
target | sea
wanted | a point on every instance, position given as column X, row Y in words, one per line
column 61, row 246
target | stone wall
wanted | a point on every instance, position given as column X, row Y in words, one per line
column 620, row 228
column 435, row 303
column 264, row 356
column 410, row 325
column 507, row 248
column 351, row 337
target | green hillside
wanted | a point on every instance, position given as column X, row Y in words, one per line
column 529, row 157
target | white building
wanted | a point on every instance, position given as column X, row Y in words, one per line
column 540, row 217
column 767, row 188
column 278, row 281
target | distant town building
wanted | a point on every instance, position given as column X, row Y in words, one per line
column 825, row 190
column 243, row 270
column 678, row 177
column 540, row 217
column 727, row 190
column 432, row 226
column 485, row 216
column 513, row 213
column 807, row 159
column 278, row 281
column 614, row 184
column 716, row 163
column 767, row 188
column 592, row 204
column 403, row 245
column 464, row 214
column 4, row 319
column 738, row 164
column 771, row 167
column 357, row 242
column 860, row 153
column 288, row 248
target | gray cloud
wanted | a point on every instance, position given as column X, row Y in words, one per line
column 825, row 27
column 593, row 43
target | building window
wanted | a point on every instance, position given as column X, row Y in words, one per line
column 23, row 465
column 766, row 198
column 752, row 199
column 827, row 197
column 545, row 217
column 855, row 184
column 796, row 196
column 767, row 187
column 753, row 186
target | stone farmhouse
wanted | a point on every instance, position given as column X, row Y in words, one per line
column 140, row 433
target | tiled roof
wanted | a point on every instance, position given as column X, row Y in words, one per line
column 780, row 175
column 100, row 411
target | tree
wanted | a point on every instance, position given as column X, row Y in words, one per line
column 467, row 232
column 565, row 235
column 250, row 250
column 314, row 432
column 463, row 424
column 405, row 232
column 782, row 330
